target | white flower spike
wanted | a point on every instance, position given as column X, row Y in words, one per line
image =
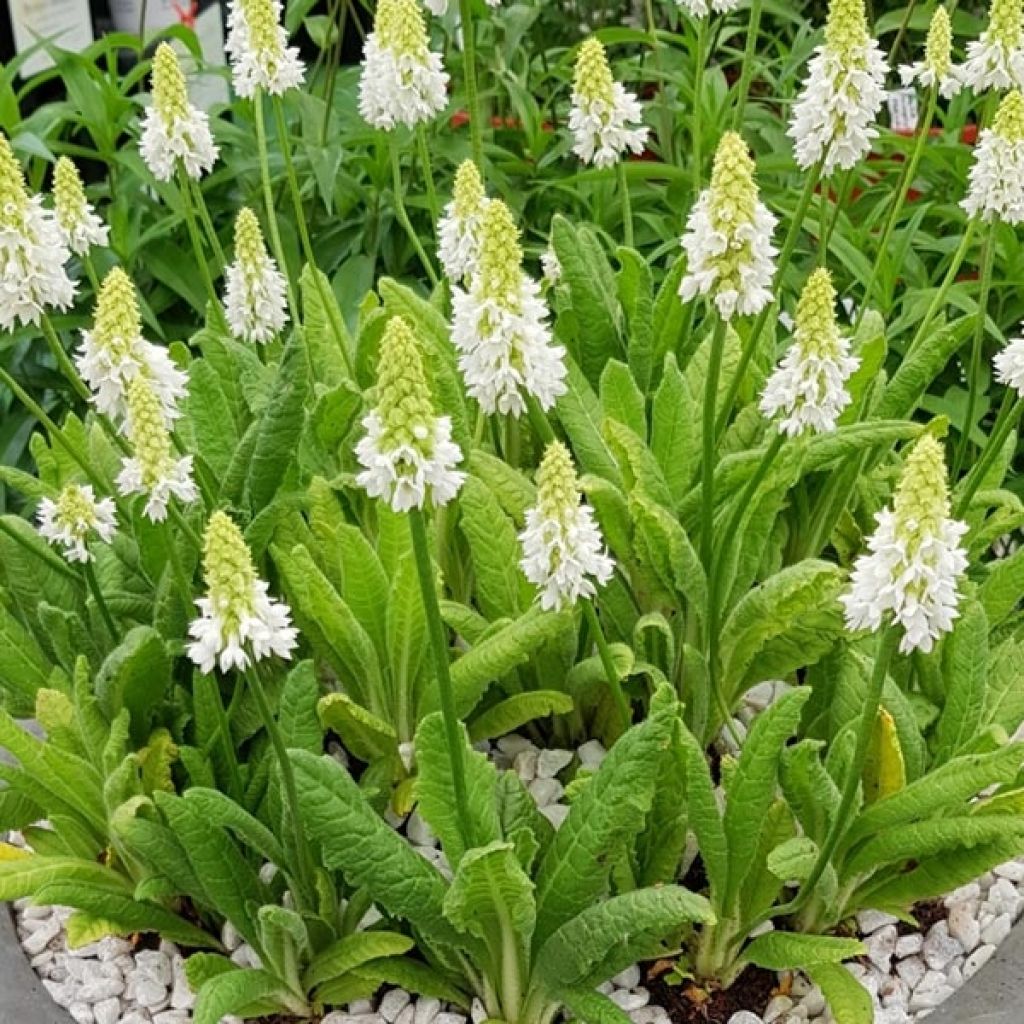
column 1009, row 365
column 500, row 326
column 605, row 118
column 996, row 60
column 809, row 386
column 728, row 238
column 702, row 8
column 911, row 575
column 258, row 47
column 833, row 118
column 79, row 222
column 152, row 469
column 408, row 456
column 460, row 229
column 113, row 353
column 238, row 623
column 74, row 517
column 563, row 551
column 403, row 80
column 32, row 251
column 996, row 187
column 255, row 290
column 937, row 69
column 173, row 129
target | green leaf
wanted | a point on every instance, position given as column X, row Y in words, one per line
column 884, row 770
column 220, row 810
column 496, row 656
column 591, row 1007
column 319, row 327
column 413, row 976
column 916, row 372
column 613, row 934
column 621, row 399
column 848, row 1000
column 297, row 709
column 610, row 810
column 353, row 951
column 579, row 411
column 372, row 855
column 435, row 790
column 964, row 670
column 636, row 295
column 515, row 711
column 793, row 860
column 234, row 991
column 136, row 675
column 492, row 898
column 783, row 951
column 674, row 430
column 1000, row 593
column 23, row 666
column 210, row 417
column 407, row 642
column 362, row 732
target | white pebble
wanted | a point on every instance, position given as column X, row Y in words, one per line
column 97, row 989
column 81, row 1013
column 407, row 1016
column 881, row 946
column 650, row 1015
column 45, row 932
column 869, row 921
column 525, row 764
column 393, row 1003
column 912, row 970
column 908, row 945
column 555, row 813
column 627, row 1000
column 964, row 927
column 156, row 965
column 1012, row 870
column 546, row 791
column 940, row 947
column 352, row 1018
column 813, row 1002
column 229, row 937
column 995, row 932
column 182, row 996
column 419, row 832
column 965, row 894
column 446, row 1018
column 172, row 1017
column 776, row 1008
column 977, row 960
column 1003, row 898
column 427, row 1008
column 592, row 753
column 513, row 744
column 629, row 978
column 477, row 1012
column 745, row 1017
column 107, row 1012
column 147, row 991
column 932, row 990
column 551, row 762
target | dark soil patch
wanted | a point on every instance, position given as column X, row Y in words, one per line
column 688, row 1004
column 927, row 913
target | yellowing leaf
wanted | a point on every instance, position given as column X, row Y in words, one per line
column 884, row 770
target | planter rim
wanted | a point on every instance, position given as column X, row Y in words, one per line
column 993, row 996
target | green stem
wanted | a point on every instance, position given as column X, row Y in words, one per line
column 64, row 364
column 627, row 204
column 403, row 216
column 977, row 345
column 185, row 191
column 97, row 595
column 454, row 732
column 899, row 200
column 330, row 308
column 428, row 175
column 708, row 441
column 1009, row 413
column 750, row 346
column 749, row 56
column 666, row 135
column 306, row 870
column 90, row 272
column 947, row 282
column 904, row 25
column 227, row 741
column 608, row 663
column 869, row 714
column 476, row 127
column 269, row 204
column 698, row 112
column 211, row 232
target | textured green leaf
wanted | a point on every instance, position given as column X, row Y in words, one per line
column 579, row 411
column 358, row 842
column 234, row 991
column 210, row 416
column 915, row 373
column 220, row 810
column 591, row 1007
column 136, row 676
column 964, row 670
column 1000, row 594
column 435, row 790
column 674, row 430
column 297, row 709
column 610, row 810
column 793, row 859
column 636, row 296
column 23, row 666
column 637, row 464
column 327, row 351
column 848, row 1000
column 621, row 399
column 352, row 951
column 365, row 583
column 613, row 934
column 367, row 736
column 783, row 951
column 515, row 711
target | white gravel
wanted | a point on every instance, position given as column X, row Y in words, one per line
column 908, row 975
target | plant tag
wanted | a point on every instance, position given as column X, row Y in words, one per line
column 903, row 110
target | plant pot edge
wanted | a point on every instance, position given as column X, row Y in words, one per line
column 994, row 995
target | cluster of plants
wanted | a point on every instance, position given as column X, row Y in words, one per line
column 460, row 441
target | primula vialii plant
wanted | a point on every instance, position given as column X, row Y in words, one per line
column 523, row 515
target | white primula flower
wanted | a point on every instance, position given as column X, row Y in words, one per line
column 728, row 238
column 173, row 129
column 255, row 290
column 113, row 353
column 239, row 623
column 996, row 60
column 403, row 80
column 407, row 454
column 833, row 118
column 702, row 8
column 33, row 251
column 996, row 187
column 809, row 385
column 1009, row 364
column 563, row 551
column 258, row 47
column 500, row 327
column 937, row 69
column 79, row 222
column 912, row 573
column 76, row 514
column 152, row 469
column 605, row 118
column 460, row 229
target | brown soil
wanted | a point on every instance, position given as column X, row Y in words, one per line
column 926, row 913
column 688, row 1004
